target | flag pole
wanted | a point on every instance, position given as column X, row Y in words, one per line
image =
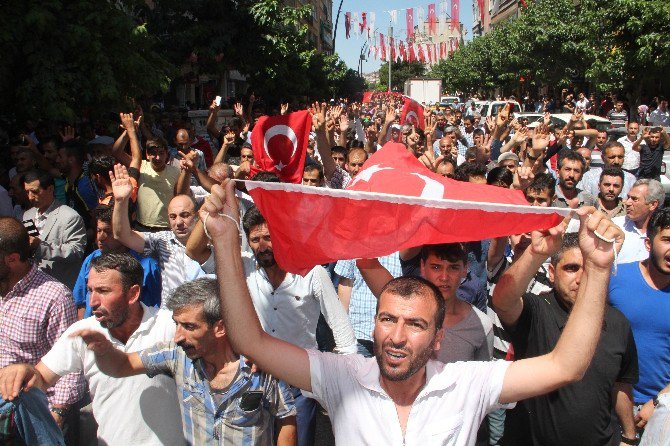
column 389, row 58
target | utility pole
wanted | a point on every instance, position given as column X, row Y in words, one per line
column 337, row 19
column 389, row 54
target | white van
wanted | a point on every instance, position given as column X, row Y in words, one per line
column 491, row 108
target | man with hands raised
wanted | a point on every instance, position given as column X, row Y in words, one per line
column 403, row 397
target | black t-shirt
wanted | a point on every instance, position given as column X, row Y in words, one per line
column 650, row 161
column 580, row 413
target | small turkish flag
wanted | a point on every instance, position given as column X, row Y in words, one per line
column 412, row 113
column 280, row 144
column 367, row 97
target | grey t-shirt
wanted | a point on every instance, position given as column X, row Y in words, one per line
column 469, row 340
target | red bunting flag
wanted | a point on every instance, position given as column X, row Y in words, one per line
column 393, row 203
column 455, row 12
column 403, row 51
column 430, row 53
column 279, row 144
column 347, row 24
column 382, row 46
column 412, row 55
column 412, row 113
column 392, row 49
column 432, row 19
column 409, row 18
column 364, row 22
column 367, row 96
column 422, row 55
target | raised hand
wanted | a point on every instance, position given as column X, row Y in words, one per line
column 284, row 109
column 522, row 178
column 546, row 119
column 577, row 116
column 127, row 122
column 336, row 112
column 490, row 124
column 319, row 116
column 598, row 237
column 503, row 115
column 344, row 123
column 520, row 135
column 67, row 134
column 122, row 188
column 239, row 109
column 220, row 211
column 541, row 138
column 390, row 115
column 214, row 107
column 228, row 138
column 547, row 243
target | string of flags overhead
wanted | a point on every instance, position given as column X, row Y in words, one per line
column 438, row 20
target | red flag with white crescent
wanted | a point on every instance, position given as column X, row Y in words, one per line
column 409, row 19
column 280, row 144
column 367, row 97
column 393, row 203
column 432, row 19
column 455, row 13
column 412, row 113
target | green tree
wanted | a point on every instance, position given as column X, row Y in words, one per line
column 400, row 72
column 61, row 58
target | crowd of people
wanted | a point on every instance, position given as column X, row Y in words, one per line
column 139, row 285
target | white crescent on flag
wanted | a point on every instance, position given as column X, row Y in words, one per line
column 412, row 117
column 283, row 130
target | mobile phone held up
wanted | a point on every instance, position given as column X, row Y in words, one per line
column 217, row 101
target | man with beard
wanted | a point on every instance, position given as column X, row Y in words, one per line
column 105, row 241
column 641, row 291
column 401, row 396
column 570, row 170
column 580, row 413
column 643, row 199
column 651, row 154
column 289, row 305
column 613, row 156
column 223, row 401
column 114, row 284
column 610, row 185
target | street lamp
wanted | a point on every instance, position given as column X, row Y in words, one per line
column 337, row 19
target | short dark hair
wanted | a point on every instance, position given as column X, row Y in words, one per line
column 611, row 171
column 478, row 132
column 570, row 241
column 101, row 165
column 470, row 169
column 251, row 219
column 203, row 291
column 311, row 167
column 266, row 177
column 406, row 286
column 500, row 175
column 570, row 155
column 76, row 149
column 127, row 266
column 103, row 213
column 659, row 220
column 45, row 178
column 451, row 252
column 543, row 181
column 14, row 238
column 339, row 149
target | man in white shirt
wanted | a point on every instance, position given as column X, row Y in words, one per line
column 631, row 161
column 403, row 397
column 643, row 199
column 288, row 306
column 115, row 281
column 660, row 116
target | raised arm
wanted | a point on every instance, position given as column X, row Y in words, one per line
column 574, row 350
column 197, row 247
column 212, row 130
column 643, row 137
column 135, row 158
column 322, row 144
column 122, row 189
column 374, row 274
column 512, row 285
column 283, row 360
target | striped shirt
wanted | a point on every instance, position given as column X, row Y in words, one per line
column 363, row 304
column 33, row 315
column 235, row 416
column 172, row 258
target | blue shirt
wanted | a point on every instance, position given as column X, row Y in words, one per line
column 242, row 414
column 151, row 284
column 648, row 311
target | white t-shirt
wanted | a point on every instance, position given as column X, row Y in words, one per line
column 633, row 248
column 447, row 411
column 139, row 410
column 631, row 158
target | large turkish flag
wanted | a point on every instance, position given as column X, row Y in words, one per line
column 280, row 144
column 393, row 203
column 412, row 113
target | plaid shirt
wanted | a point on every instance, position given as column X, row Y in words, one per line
column 340, row 179
column 33, row 315
column 363, row 304
column 218, row 419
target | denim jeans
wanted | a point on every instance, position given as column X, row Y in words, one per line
column 306, row 417
column 33, row 422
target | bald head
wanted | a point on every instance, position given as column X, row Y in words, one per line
column 220, row 171
column 182, row 216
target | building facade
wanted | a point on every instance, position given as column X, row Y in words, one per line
column 319, row 23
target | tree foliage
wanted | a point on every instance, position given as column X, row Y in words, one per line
column 400, row 72
column 618, row 45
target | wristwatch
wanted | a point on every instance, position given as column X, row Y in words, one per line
column 61, row 412
column 654, row 401
column 632, row 441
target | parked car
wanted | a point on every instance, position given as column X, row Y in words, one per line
column 491, row 108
